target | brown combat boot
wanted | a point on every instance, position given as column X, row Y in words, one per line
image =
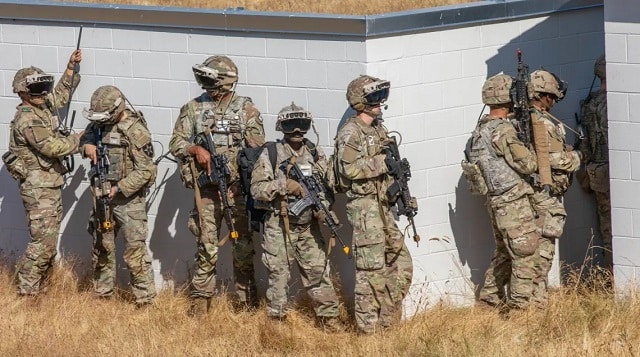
column 331, row 324
column 199, row 307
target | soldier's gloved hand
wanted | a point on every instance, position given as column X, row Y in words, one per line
column 393, row 166
column 294, row 188
column 90, row 151
column 202, row 156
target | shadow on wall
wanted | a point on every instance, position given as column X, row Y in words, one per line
column 472, row 232
column 13, row 222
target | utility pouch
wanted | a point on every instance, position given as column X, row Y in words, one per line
column 475, row 180
column 15, row 165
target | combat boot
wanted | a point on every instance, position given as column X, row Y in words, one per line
column 331, row 324
column 199, row 307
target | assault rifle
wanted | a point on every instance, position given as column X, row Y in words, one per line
column 398, row 193
column 531, row 132
column 521, row 103
column 219, row 173
column 65, row 126
column 101, row 185
column 312, row 188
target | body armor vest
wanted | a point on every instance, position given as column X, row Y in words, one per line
column 225, row 120
column 498, row 175
column 117, row 144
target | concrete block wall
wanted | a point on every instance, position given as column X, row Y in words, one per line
column 435, row 101
column 622, row 35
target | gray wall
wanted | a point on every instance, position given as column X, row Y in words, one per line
column 436, row 71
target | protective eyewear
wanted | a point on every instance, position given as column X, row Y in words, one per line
column 376, row 92
column 39, row 84
column 299, row 124
column 206, row 77
column 562, row 87
column 96, row 116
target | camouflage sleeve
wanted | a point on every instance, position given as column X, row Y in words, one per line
column 40, row 136
column 265, row 185
column 506, row 143
column 141, row 151
column 354, row 163
column 182, row 132
column 63, row 89
column 563, row 160
column 320, row 169
column 254, row 130
column 88, row 137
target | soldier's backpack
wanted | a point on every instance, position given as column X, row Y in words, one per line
column 247, row 158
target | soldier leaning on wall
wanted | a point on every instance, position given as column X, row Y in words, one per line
column 36, row 147
column 235, row 123
column 545, row 90
column 123, row 135
column 498, row 166
column 384, row 268
column 595, row 147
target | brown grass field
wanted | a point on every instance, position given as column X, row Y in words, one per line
column 581, row 320
column 346, row 7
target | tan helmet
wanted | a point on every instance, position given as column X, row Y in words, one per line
column 497, row 89
column 20, row 79
column 600, row 67
column 293, row 118
column 107, row 102
column 216, row 72
column 546, row 82
column 367, row 91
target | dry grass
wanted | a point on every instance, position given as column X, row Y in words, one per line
column 580, row 321
column 350, row 7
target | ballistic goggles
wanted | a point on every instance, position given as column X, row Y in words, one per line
column 206, row 77
column 39, row 84
column 376, row 92
column 103, row 116
column 291, row 122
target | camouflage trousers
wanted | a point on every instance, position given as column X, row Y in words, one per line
column 551, row 219
column 130, row 217
column 384, row 267
column 599, row 183
column 43, row 207
column 306, row 248
column 207, row 230
column 511, row 273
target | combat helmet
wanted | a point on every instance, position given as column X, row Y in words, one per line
column 497, row 89
column 600, row 67
column 107, row 103
column 543, row 81
column 293, row 118
column 367, row 91
column 32, row 80
column 216, row 72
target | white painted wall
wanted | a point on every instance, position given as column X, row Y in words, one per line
column 435, row 100
column 622, row 28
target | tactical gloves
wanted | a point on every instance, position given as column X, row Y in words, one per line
column 294, row 188
column 393, row 166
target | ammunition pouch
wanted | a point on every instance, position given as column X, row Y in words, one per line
column 16, row 166
column 475, row 180
column 186, row 175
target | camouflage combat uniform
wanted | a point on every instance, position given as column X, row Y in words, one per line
column 504, row 161
column 35, row 139
column 305, row 245
column 236, row 123
column 384, row 268
column 549, row 206
column 131, row 168
column 595, row 148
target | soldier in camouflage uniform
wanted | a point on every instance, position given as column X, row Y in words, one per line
column 290, row 239
column 124, row 134
column 503, row 162
column 384, row 268
column 545, row 90
column 235, row 123
column 595, row 148
column 36, row 150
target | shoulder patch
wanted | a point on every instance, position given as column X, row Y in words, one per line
column 25, row 109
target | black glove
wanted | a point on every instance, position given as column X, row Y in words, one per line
column 393, row 166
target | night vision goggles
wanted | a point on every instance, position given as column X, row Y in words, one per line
column 39, row 84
